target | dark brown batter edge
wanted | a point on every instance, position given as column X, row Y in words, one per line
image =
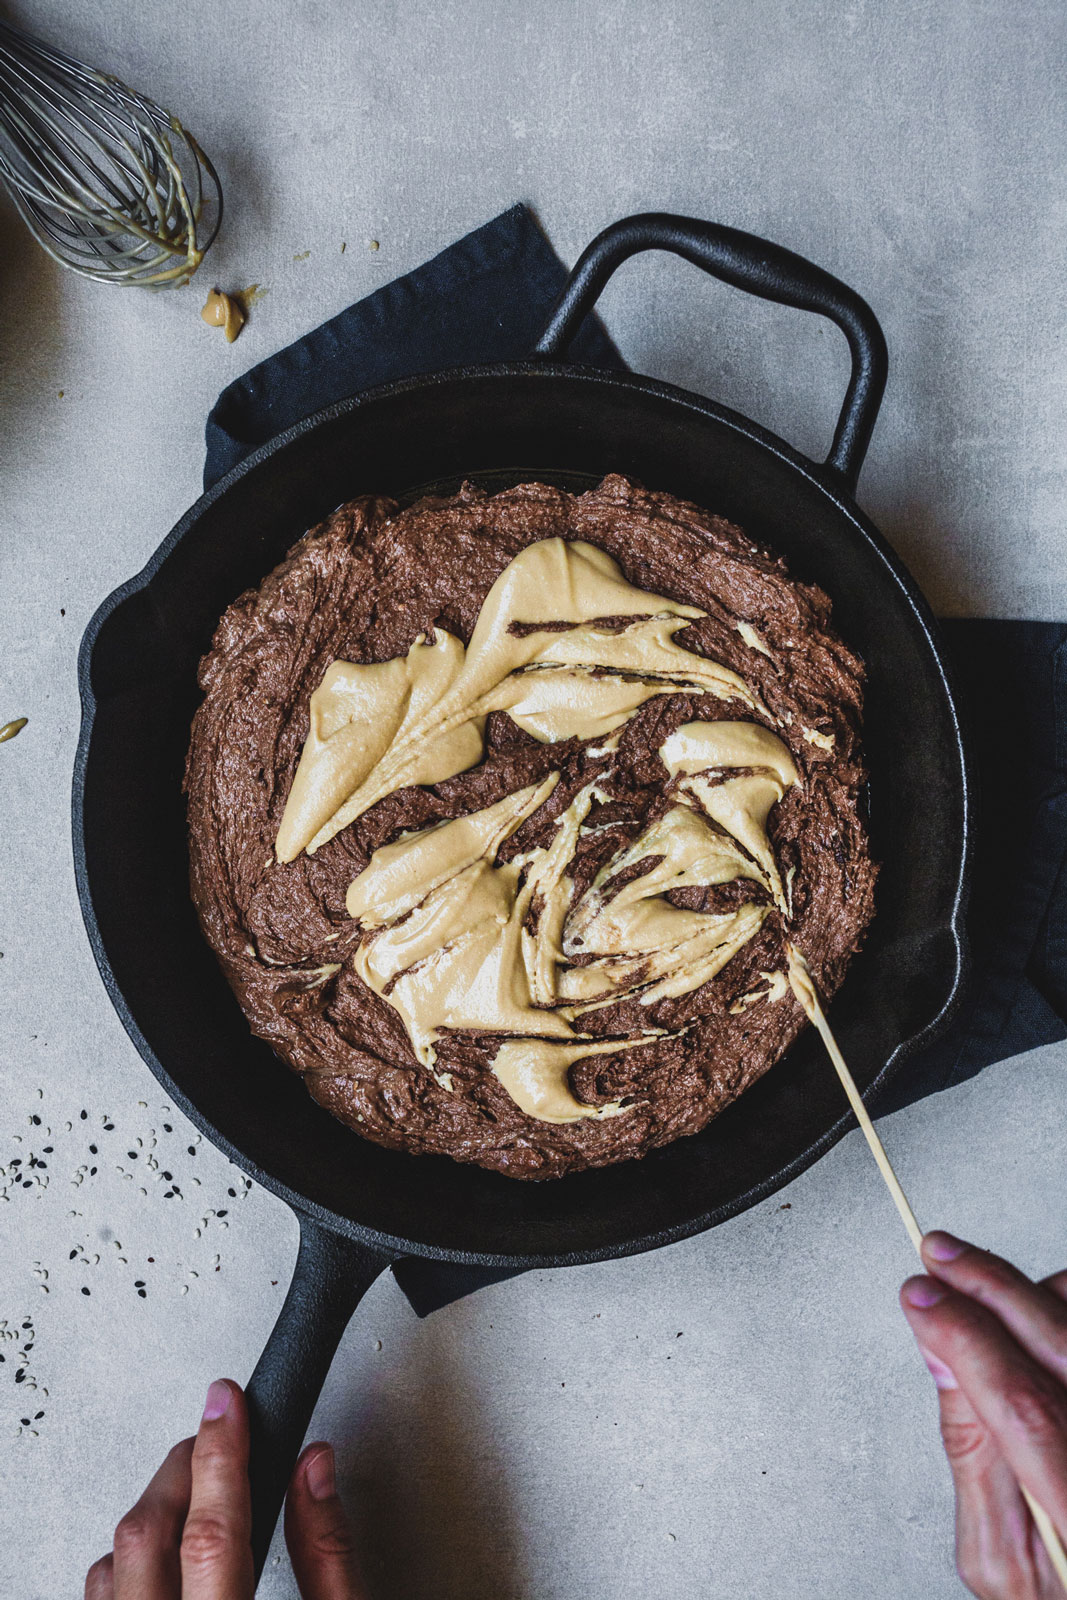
column 360, row 587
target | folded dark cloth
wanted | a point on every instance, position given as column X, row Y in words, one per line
column 1010, row 676
column 487, row 298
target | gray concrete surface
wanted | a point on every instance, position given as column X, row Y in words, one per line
column 553, row 1436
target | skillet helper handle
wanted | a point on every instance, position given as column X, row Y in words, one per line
column 764, row 269
column 331, row 1277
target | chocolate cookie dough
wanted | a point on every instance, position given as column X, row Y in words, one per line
column 502, row 809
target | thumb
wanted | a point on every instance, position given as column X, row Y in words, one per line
column 317, row 1531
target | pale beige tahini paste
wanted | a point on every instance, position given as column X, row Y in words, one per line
column 777, row 987
column 420, row 718
column 802, row 983
column 740, row 805
column 535, row 1072
column 754, row 640
column 643, row 943
column 459, row 941
column 451, row 952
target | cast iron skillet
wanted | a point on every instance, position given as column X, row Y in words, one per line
column 361, row 1207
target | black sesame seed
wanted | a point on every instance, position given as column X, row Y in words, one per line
column 84, row 1114
column 143, row 1294
column 93, row 1150
column 73, row 1253
column 223, row 1213
column 25, row 1421
column 109, row 1127
column 28, row 1183
column 168, row 1194
column 132, row 1155
column 168, row 1177
column 232, row 1193
column 35, row 1119
column 38, row 1416
column 48, row 1149
column 167, row 1128
column 27, row 1323
column 3, row 1358
column 20, row 1375
column 192, row 1149
column 16, row 1161
column 92, row 1172
column 84, row 1290
column 138, row 1283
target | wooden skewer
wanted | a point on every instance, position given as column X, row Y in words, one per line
column 803, row 987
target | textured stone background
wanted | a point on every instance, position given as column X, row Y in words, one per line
column 553, row 1436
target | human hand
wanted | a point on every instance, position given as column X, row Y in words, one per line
column 996, row 1345
column 188, row 1536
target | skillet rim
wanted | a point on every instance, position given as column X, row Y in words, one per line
column 824, row 479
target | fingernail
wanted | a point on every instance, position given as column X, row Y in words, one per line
column 319, row 1474
column 938, row 1371
column 218, row 1401
column 922, row 1293
column 943, row 1246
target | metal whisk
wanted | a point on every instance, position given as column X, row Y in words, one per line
column 109, row 183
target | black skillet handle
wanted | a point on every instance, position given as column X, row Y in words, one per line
column 762, row 268
column 331, row 1277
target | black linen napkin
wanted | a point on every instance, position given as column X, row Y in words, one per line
column 487, row 298
column 1012, row 683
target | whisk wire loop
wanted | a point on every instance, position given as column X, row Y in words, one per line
column 110, row 184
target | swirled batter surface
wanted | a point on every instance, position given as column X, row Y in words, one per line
column 646, row 802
